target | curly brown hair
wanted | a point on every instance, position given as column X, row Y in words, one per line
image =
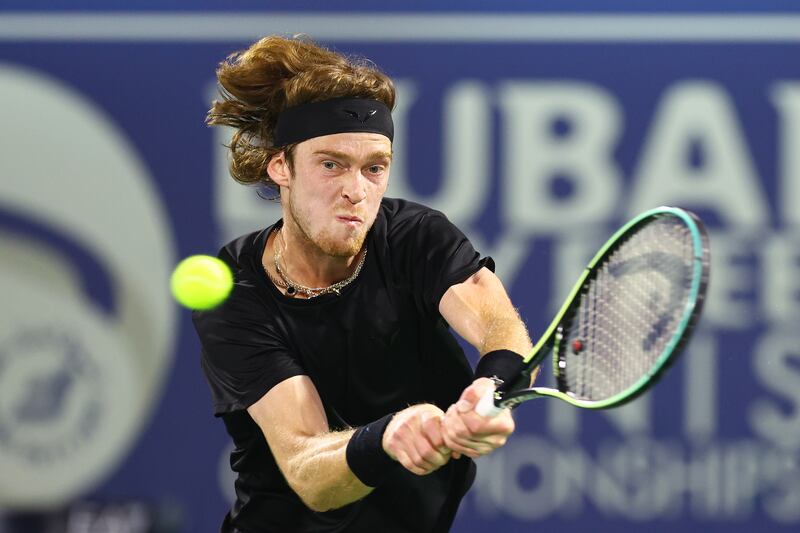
column 275, row 73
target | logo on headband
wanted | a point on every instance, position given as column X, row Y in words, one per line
column 356, row 116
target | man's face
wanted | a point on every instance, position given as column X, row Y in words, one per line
column 336, row 189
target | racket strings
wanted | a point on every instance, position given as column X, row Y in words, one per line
column 628, row 313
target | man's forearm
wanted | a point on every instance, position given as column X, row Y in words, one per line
column 504, row 331
column 319, row 474
column 481, row 312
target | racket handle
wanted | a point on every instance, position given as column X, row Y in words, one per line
column 486, row 406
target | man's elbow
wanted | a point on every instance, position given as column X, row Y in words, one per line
column 316, row 503
column 309, row 493
column 317, row 500
column 315, row 495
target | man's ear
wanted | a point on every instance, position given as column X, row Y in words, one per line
column 278, row 169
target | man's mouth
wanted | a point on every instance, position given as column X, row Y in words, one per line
column 350, row 219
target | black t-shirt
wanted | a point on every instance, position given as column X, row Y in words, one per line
column 378, row 347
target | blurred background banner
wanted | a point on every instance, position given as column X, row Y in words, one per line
column 537, row 131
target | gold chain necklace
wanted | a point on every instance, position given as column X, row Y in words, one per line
column 293, row 288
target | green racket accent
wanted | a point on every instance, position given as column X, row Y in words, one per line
column 664, row 248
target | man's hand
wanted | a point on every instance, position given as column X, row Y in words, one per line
column 466, row 432
column 414, row 439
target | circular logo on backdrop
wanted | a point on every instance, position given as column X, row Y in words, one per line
column 79, row 377
column 50, row 396
column 68, row 396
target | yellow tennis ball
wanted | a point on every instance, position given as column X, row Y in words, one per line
column 201, row 282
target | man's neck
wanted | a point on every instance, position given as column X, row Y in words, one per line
column 304, row 262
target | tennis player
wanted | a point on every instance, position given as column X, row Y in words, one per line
column 332, row 364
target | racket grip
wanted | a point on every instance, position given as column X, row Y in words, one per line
column 486, row 406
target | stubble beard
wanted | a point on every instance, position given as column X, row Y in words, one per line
column 324, row 241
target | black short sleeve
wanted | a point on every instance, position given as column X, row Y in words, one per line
column 432, row 252
column 243, row 355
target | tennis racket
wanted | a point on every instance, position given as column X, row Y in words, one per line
column 625, row 320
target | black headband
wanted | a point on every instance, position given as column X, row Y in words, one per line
column 340, row 115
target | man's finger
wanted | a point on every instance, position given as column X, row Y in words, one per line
column 417, row 456
column 455, row 446
column 432, row 455
column 472, row 394
column 432, row 429
column 456, row 435
column 403, row 459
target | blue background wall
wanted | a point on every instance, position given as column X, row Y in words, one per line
column 538, row 130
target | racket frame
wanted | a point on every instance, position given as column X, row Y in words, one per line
column 552, row 339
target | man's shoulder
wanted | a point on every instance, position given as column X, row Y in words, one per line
column 398, row 212
column 247, row 299
column 240, row 252
column 243, row 256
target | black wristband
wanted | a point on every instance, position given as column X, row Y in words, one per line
column 503, row 365
column 365, row 454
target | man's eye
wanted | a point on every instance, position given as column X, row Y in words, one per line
column 375, row 169
column 329, row 165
